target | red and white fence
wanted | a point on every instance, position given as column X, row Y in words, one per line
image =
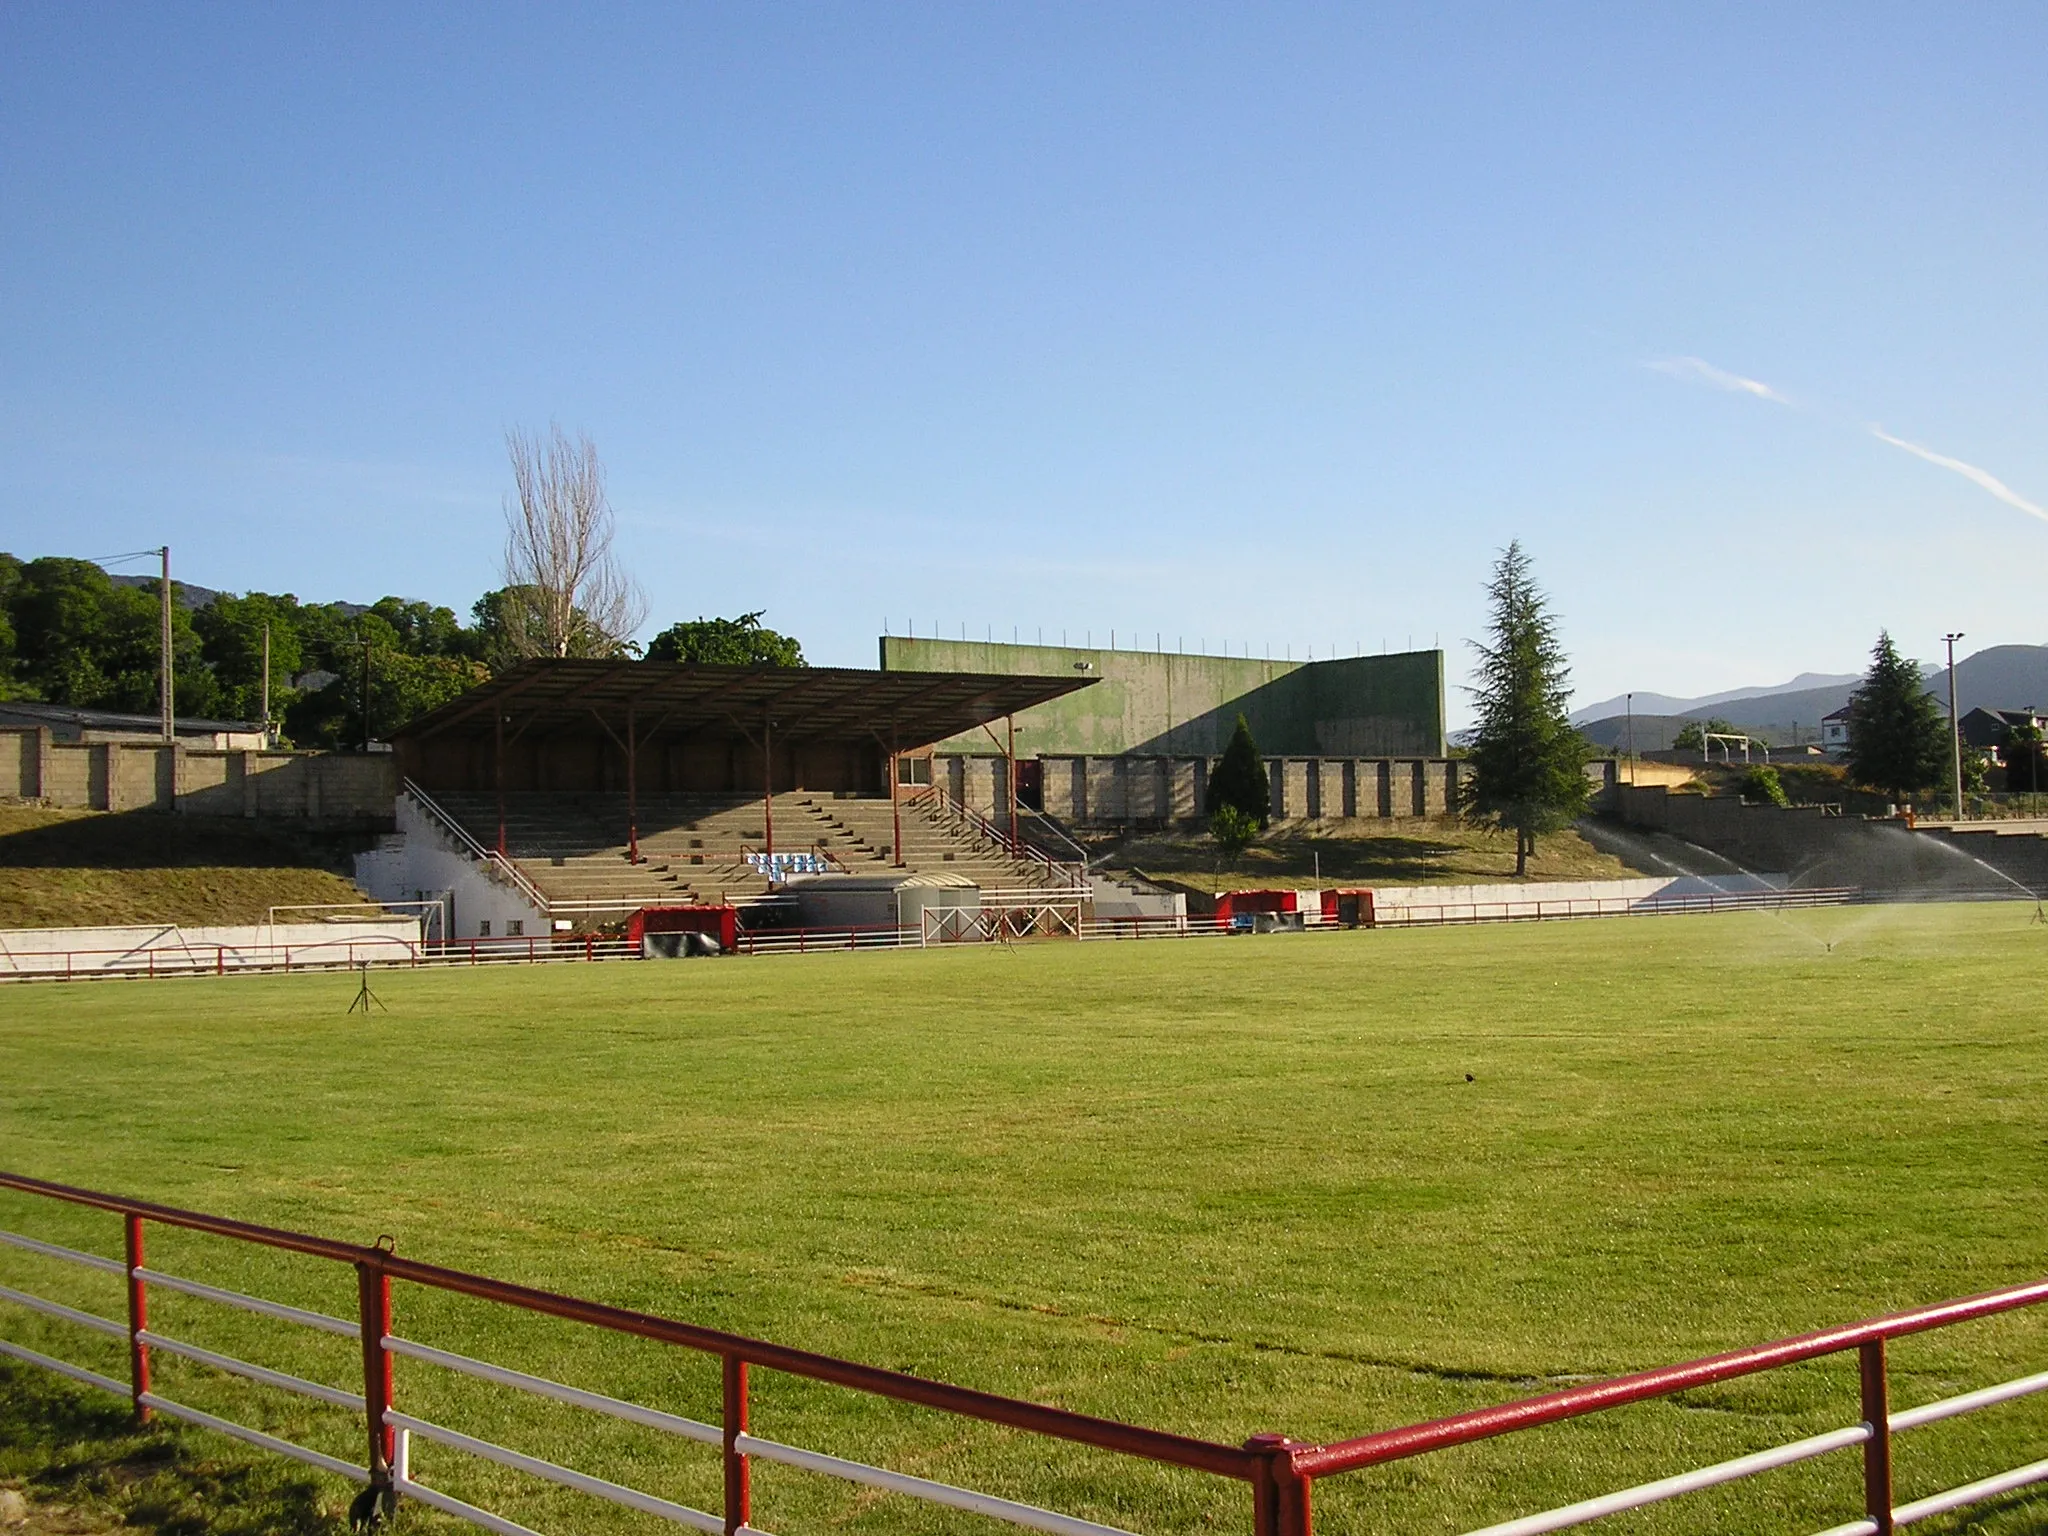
column 1280, row 1471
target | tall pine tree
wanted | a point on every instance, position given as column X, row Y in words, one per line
column 1898, row 734
column 1240, row 779
column 1528, row 762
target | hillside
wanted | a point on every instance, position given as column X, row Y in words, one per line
column 74, row 868
column 1999, row 677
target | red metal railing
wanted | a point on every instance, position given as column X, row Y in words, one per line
column 1281, row 1471
column 388, row 1430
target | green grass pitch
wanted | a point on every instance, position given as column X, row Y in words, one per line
column 1219, row 1187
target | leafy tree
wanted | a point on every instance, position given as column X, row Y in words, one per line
column 1692, row 736
column 402, row 687
column 2026, row 760
column 10, row 583
column 1240, row 780
column 740, row 642
column 231, row 633
column 1528, row 763
column 1898, row 737
column 1762, row 786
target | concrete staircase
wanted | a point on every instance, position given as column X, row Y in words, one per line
column 694, row 847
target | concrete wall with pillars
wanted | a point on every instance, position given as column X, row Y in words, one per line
column 324, row 789
column 1135, row 789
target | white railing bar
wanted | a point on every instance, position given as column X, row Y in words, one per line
column 653, row 1418
column 1685, row 1482
column 1971, row 1493
column 256, row 1437
column 1853, row 1528
column 582, row 1482
column 1949, row 1407
column 278, row 1309
column 924, row 1488
column 448, row 1504
column 261, row 1373
column 69, row 1314
column 65, row 1368
column 90, row 1260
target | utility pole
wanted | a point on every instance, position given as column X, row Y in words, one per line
column 266, row 683
column 165, row 703
column 365, row 642
column 1955, row 724
column 1631, row 704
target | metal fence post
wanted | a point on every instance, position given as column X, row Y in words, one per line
column 1877, row 1450
column 1280, row 1499
column 739, row 1493
column 138, row 1320
column 373, row 1290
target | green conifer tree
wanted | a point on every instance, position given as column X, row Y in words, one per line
column 1240, row 779
column 1528, row 761
column 1898, row 734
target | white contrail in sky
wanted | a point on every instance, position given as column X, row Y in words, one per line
column 1979, row 477
column 1700, row 371
column 1706, row 373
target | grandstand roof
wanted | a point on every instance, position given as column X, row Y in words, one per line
column 680, row 699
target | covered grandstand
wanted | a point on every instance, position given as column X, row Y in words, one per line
column 598, row 786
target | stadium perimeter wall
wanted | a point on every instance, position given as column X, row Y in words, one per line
column 328, row 790
column 1816, row 849
column 1155, row 703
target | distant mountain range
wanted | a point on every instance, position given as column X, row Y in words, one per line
column 2002, row 677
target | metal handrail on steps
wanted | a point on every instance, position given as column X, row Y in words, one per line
column 490, row 858
column 979, row 824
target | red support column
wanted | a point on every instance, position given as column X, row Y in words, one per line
column 896, row 794
column 373, row 1289
column 1877, row 1450
column 768, row 782
column 739, row 1493
column 632, row 791
column 1010, row 757
column 138, row 1320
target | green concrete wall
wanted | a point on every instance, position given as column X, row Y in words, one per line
column 1149, row 702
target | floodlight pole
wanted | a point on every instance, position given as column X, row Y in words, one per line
column 1955, row 725
column 1631, row 698
column 266, row 683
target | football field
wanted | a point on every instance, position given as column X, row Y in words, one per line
column 1318, row 1184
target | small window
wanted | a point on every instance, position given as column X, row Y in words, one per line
column 516, row 928
column 483, row 929
column 914, row 770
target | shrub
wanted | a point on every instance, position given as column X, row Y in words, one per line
column 1762, row 786
column 1232, row 828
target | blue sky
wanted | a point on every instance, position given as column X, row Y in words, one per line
column 1267, row 323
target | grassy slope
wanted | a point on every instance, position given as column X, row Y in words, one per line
column 1434, row 852
column 1223, row 1187
column 66, row 868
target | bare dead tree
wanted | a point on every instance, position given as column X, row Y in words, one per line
column 566, row 593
